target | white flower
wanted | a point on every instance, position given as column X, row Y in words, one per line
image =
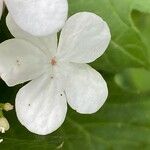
column 58, row 73
column 1, row 7
column 4, row 125
column 38, row 17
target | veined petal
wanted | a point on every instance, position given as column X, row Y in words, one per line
column 39, row 17
column 84, row 38
column 20, row 61
column 1, row 7
column 41, row 105
column 48, row 44
column 86, row 90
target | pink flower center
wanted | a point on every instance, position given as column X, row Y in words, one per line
column 53, row 61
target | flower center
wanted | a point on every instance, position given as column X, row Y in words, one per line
column 53, row 61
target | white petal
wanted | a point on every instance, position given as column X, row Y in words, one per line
column 41, row 106
column 1, row 7
column 20, row 61
column 39, row 17
column 86, row 90
column 48, row 44
column 84, row 38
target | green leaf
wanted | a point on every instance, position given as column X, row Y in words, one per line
column 142, row 22
column 134, row 80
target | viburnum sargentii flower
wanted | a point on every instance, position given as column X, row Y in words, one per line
column 38, row 17
column 58, row 73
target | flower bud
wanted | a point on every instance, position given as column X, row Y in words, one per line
column 8, row 107
column 4, row 125
column 1, row 140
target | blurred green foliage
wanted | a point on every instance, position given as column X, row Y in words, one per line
column 123, row 123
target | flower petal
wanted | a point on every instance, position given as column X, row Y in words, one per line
column 1, row 7
column 39, row 17
column 20, row 61
column 86, row 90
column 84, row 38
column 48, row 44
column 41, row 105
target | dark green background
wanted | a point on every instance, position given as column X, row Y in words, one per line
column 123, row 123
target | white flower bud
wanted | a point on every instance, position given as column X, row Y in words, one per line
column 8, row 107
column 1, row 140
column 4, row 125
